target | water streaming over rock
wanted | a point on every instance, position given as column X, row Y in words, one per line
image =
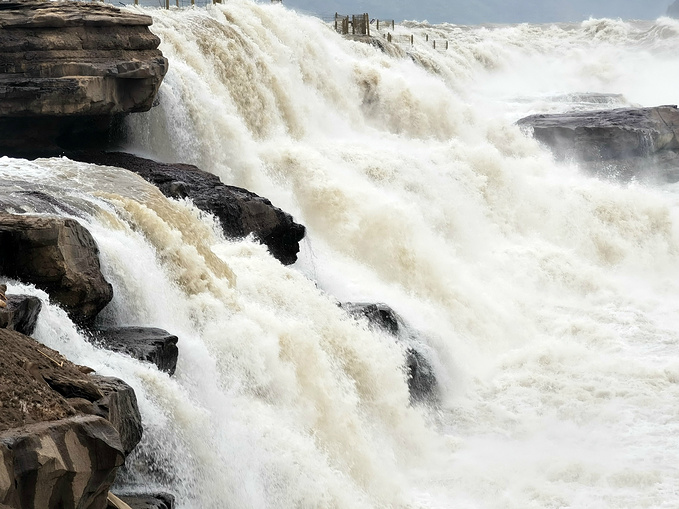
column 547, row 298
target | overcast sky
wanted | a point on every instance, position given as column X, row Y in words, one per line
column 487, row 11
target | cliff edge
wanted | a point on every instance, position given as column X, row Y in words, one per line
column 68, row 68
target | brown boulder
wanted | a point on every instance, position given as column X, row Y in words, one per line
column 20, row 314
column 69, row 463
column 59, row 256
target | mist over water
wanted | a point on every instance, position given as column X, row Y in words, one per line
column 547, row 299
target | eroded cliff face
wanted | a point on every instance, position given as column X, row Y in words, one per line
column 68, row 68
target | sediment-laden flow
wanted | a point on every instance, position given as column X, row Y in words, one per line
column 546, row 298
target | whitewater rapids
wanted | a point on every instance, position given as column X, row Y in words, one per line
column 548, row 299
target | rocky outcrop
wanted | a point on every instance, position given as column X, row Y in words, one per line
column 69, row 463
column 59, row 256
column 673, row 10
column 21, row 313
column 421, row 376
column 51, row 454
column 626, row 138
column 239, row 211
column 67, row 67
column 144, row 343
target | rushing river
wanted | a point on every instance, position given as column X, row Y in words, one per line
column 546, row 299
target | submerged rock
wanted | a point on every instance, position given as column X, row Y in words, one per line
column 422, row 382
column 66, row 68
column 239, row 211
column 144, row 343
column 20, row 314
column 59, row 256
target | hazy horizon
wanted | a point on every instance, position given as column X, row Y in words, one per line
column 488, row 11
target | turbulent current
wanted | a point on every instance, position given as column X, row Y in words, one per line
column 547, row 299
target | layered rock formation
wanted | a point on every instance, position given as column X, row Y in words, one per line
column 627, row 140
column 67, row 67
column 239, row 211
column 57, row 255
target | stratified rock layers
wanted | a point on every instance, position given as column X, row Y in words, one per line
column 67, row 67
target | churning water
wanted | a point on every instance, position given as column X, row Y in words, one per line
column 547, row 299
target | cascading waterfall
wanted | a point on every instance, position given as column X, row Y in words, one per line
column 548, row 298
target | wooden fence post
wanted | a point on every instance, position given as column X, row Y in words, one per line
column 389, row 36
column 434, row 43
column 446, row 44
column 167, row 4
column 366, row 18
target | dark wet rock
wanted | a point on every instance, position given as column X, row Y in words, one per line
column 378, row 315
column 422, row 381
column 119, row 406
column 21, row 313
column 623, row 143
column 154, row 501
column 239, row 211
column 68, row 68
column 58, row 255
column 609, row 134
column 68, row 463
column 144, row 343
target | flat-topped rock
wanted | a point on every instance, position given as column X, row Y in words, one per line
column 607, row 134
column 64, row 64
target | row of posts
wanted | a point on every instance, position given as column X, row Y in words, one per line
column 193, row 2
column 412, row 40
column 360, row 24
